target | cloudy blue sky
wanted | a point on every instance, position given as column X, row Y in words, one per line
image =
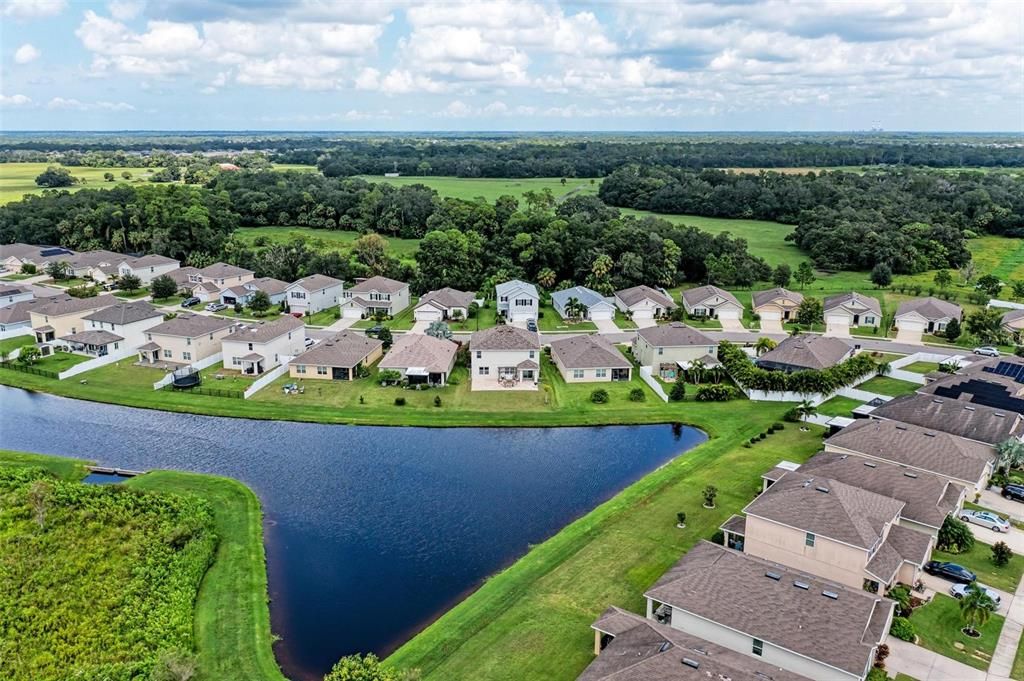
column 511, row 65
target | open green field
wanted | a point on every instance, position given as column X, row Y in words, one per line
column 18, row 179
column 231, row 620
column 322, row 239
column 532, row 621
column 491, row 188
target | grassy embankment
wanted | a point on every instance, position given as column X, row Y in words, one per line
column 231, row 620
column 532, row 621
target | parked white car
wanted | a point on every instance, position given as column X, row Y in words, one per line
column 986, row 519
column 216, row 307
column 958, row 591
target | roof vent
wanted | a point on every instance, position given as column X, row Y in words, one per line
column 937, row 401
column 929, row 434
column 802, row 585
column 665, row 645
column 822, row 489
column 830, row 594
column 773, row 575
column 691, row 663
column 871, row 464
column 702, row 651
column 899, row 427
column 969, row 408
column 909, row 474
column 1000, row 414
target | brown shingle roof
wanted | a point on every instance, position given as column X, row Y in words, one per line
column 733, row 589
column 901, row 545
column 844, row 299
column 268, row 285
column 190, row 325
column 151, row 260
column 93, row 337
column 220, row 270
column 125, row 313
column 693, row 296
column 18, row 312
column 505, row 337
column 447, row 298
column 632, row 296
column 262, row 332
column 436, row 355
column 1012, row 316
column 930, row 308
column 826, row 507
column 378, row 284
column 645, row 650
column 764, row 297
column 805, row 351
column 55, row 307
column 315, row 282
column 972, row 421
column 344, row 349
column 588, row 352
column 674, row 335
column 917, row 447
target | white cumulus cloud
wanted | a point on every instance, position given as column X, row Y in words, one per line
column 26, row 53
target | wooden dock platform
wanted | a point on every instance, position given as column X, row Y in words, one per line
column 123, row 472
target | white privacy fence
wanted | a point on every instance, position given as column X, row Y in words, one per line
column 96, row 363
column 265, row 380
column 647, row 374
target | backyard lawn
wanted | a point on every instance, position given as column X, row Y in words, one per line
column 839, row 406
column 59, row 361
column 938, row 625
column 921, row 367
column 979, row 561
column 893, row 387
column 9, row 344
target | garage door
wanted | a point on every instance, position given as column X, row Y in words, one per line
column 911, row 326
column 728, row 313
column 427, row 314
column 351, row 312
column 771, row 316
column 602, row 313
column 837, row 325
column 643, row 313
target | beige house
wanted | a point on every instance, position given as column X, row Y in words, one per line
column 849, row 311
column 187, row 338
column 590, row 358
column 375, row 295
column 63, row 315
column 338, row 358
column 444, row 303
column 713, row 302
column 504, row 357
column 1013, row 321
column 643, row 302
column 960, row 417
column 421, row 358
column 806, row 351
column 924, row 315
column 776, row 306
column 13, row 256
column 672, row 347
column 781, row 615
column 223, row 275
column 256, row 347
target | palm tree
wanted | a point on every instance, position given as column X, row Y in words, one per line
column 883, row 369
column 573, row 308
column 1009, row 455
column 763, row 345
column 698, row 370
column 975, row 608
column 806, row 410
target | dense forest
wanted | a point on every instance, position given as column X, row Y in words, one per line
column 583, row 156
column 911, row 220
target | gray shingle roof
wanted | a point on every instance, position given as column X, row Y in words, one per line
column 262, row 332
column 190, row 325
column 220, row 270
column 447, row 298
column 505, row 337
column 956, row 417
column 151, row 260
column 645, row 650
column 632, row 296
column 587, row 297
column 344, row 349
column 853, row 298
column 436, row 355
column 378, row 284
column 315, row 282
column 93, row 337
column 93, row 258
column 921, row 448
column 763, row 297
column 827, row 507
column 510, row 287
column 18, row 312
column 929, row 498
column 268, row 285
column 588, row 352
column 56, row 307
column 930, row 308
column 125, row 313
column 1012, row 316
column 732, row 589
column 674, row 335
column 694, row 296
column 806, row 351
column 180, row 276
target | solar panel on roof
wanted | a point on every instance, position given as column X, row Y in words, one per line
column 990, row 370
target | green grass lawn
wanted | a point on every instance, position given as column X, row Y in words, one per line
column 173, row 300
column 59, row 361
column 403, row 321
column 839, row 406
column 18, row 179
column 550, row 320
column 491, row 188
column 979, row 561
column 938, row 627
column 62, row 467
column 884, row 385
column 273, row 313
column 1018, row 662
column 135, row 295
column 323, row 317
column 532, row 620
column 921, row 367
column 71, row 282
column 7, row 345
column 17, row 277
column 322, row 239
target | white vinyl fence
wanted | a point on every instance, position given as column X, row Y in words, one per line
column 96, row 363
column 265, row 380
column 647, row 374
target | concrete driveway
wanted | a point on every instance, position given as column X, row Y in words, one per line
column 342, row 324
column 909, row 337
column 734, row 325
column 420, row 327
column 924, row 665
column 606, row 326
column 837, row 330
column 772, row 326
column 1014, row 538
column 994, row 501
column 644, row 323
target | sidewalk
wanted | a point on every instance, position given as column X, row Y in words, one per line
column 1009, row 638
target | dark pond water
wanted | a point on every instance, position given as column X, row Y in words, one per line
column 371, row 531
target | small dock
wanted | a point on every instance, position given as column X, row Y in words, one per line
column 122, row 472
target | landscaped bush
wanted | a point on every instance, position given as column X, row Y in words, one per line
column 98, row 581
column 954, row 536
column 902, row 628
column 749, row 376
column 637, row 395
column 437, row 400
column 793, row 415
column 678, row 391
column 399, row 401
column 389, row 377
column 599, row 396
column 778, row 425
column 715, row 393
column 1001, row 554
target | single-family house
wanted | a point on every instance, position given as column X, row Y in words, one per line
column 15, row 319
column 805, row 351
column 185, row 339
column 421, row 358
column 255, row 347
column 776, row 306
column 960, row 461
column 63, row 315
column 631, row 647
column 206, row 291
column 376, row 295
column 338, row 358
column 847, row 311
column 977, row 422
column 711, row 301
column 995, row 382
column 590, row 358
column 93, row 343
column 13, row 256
column 185, row 278
column 924, row 315
column 147, row 267
column 129, row 320
column 243, row 293
column 1013, row 321
column 10, row 294
column 784, row 616
column 504, row 356
column 672, row 347
column 223, row 275
column 590, row 304
column 314, row 293
column 444, row 303
column 82, row 263
column 518, row 301
column 644, row 302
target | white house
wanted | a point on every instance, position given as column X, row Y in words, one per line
column 503, row 357
column 643, row 302
column 594, row 305
column 444, row 303
column 850, row 310
column 711, row 301
column 518, row 301
column 148, row 267
column 9, row 294
column 129, row 320
column 375, row 295
column 13, row 256
column 924, row 315
column 314, row 293
column 257, row 347
column 243, row 293
column 15, row 319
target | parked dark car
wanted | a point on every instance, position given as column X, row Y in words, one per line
column 531, row 325
column 1015, row 492
column 189, row 302
column 374, row 331
column 950, row 571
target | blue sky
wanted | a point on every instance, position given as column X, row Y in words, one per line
column 511, row 65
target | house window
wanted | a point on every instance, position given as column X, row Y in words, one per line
column 211, row 336
column 601, row 373
column 250, row 346
column 809, row 539
column 167, row 354
column 187, row 355
column 524, row 302
column 577, row 373
column 300, row 368
column 298, row 294
column 321, row 371
column 236, row 361
column 531, row 354
column 661, row 351
column 115, row 346
column 504, row 299
column 275, row 358
column 758, row 648
column 484, row 371
column 188, row 341
column 479, row 354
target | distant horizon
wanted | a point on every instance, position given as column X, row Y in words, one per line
column 496, row 131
